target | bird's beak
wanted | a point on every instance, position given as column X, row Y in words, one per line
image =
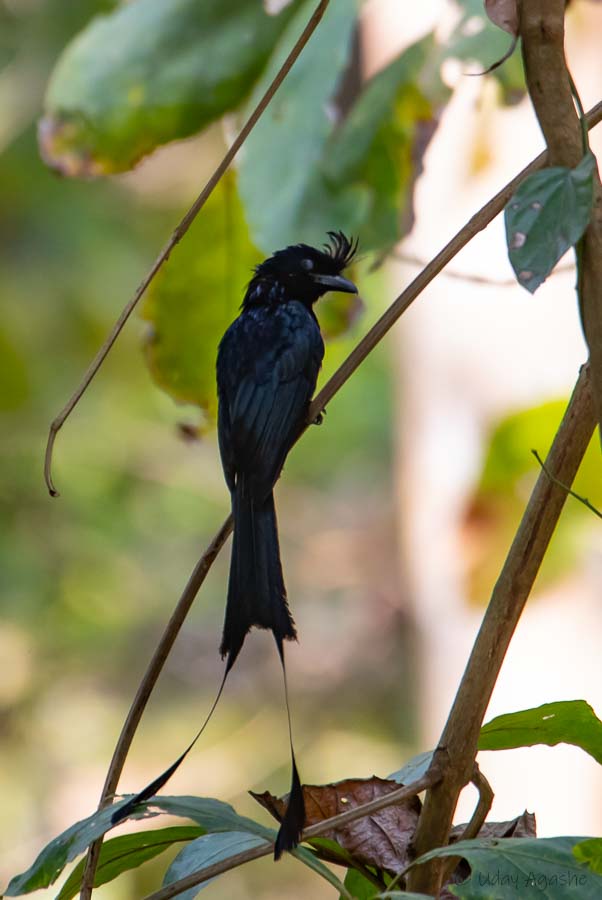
column 335, row 283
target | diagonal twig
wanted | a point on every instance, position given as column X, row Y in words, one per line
column 458, row 744
column 350, row 815
column 565, row 487
column 176, row 236
column 470, row 277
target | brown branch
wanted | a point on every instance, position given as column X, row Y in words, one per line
column 177, row 235
column 457, row 747
column 477, row 223
column 472, row 829
column 350, row 815
column 476, row 822
column 226, row 865
column 482, row 808
column 470, row 277
column 550, row 88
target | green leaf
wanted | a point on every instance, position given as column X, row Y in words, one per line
column 210, row 814
column 358, row 886
column 546, row 216
column 285, row 199
column 195, row 296
column 379, row 147
column 128, row 852
column 213, row 815
column 212, row 848
column 567, row 722
column 150, row 72
column 55, row 856
column 359, row 175
column 328, row 849
column 507, row 868
column 590, row 852
column 14, row 376
column 414, row 769
column 498, row 501
column 402, row 895
column 205, row 851
column 305, row 855
column 337, row 312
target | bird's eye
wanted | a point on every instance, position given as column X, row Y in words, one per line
column 307, row 264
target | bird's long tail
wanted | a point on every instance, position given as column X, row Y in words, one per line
column 256, row 596
column 256, row 591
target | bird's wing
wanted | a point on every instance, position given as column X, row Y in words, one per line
column 272, row 364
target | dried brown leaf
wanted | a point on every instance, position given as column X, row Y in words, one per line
column 523, row 826
column 504, row 14
column 54, row 140
column 380, row 839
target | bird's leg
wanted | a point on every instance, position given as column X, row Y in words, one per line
column 319, row 418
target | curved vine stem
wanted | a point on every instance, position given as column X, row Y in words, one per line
column 351, row 815
column 177, row 236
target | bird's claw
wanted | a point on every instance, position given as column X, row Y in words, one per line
column 319, row 418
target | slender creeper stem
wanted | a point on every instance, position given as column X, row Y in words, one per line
column 177, row 236
column 564, row 487
column 457, row 748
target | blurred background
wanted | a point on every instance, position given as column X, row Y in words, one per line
column 395, row 515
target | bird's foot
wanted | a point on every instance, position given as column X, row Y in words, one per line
column 319, row 418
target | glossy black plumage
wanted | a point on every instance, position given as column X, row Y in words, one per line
column 269, row 361
column 267, row 366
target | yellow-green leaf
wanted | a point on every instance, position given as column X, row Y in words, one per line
column 195, row 296
column 150, row 72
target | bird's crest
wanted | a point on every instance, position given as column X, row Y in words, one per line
column 340, row 249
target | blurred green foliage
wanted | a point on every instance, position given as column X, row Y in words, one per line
column 88, row 580
column 508, row 475
column 477, row 40
column 380, row 146
column 152, row 71
column 281, row 159
column 196, row 295
column 91, row 578
column 128, row 851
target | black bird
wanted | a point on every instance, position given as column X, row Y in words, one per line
column 267, row 366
